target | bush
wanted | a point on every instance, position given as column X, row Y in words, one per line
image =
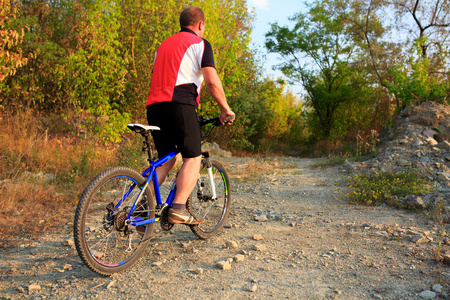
column 383, row 187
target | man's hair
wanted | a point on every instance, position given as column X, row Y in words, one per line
column 191, row 16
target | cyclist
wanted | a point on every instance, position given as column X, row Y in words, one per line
column 181, row 64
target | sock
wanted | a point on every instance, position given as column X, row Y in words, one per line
column 179, row 206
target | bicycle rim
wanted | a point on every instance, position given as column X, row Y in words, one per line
column 201, row 203
column 104, row 239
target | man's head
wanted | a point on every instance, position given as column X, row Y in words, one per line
column 193, row 17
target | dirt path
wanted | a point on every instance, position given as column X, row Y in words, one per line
column 314, row 246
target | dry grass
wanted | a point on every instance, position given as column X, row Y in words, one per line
column 28, row 208
column 253, row 170
column 42, row 174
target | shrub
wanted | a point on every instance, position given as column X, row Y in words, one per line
column 383, row 187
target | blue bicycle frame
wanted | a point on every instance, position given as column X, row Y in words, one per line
column 150, row 174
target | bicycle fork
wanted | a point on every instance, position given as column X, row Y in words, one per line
column 210, row 178
column 211, row 181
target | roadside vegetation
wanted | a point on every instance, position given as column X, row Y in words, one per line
column 388, row 188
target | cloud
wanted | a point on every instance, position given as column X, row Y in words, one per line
column 261, row 4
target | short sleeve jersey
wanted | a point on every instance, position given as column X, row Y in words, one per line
column 177, row 75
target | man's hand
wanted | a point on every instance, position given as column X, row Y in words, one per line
column 227, row 117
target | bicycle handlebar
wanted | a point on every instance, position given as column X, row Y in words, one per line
column 205, row 121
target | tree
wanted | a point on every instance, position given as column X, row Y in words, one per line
column 412, row 82
column 317, row 53
column 93, row 74
column 11, row 55
column 432, row 23
column 423, row 74
column 144, row 25
column 92, row 63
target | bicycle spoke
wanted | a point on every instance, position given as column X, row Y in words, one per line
column 105, row 240
column 201, row 203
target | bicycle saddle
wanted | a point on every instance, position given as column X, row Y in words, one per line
column 140, row 127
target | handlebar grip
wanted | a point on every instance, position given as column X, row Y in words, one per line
column 205, row 121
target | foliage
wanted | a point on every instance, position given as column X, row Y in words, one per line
column 416, row 81
column 427, row 21
column 93, row 75
column 143, row 27
column 93, row 60
column 91, row 63
column 267, row 115
column 11, row 35
column 383, row 187
column 319, row 52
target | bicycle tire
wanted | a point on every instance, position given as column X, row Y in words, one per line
column 200, row 202
column 104, row 241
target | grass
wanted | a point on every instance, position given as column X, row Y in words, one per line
column 253, row 170
column 332, row 161
column 28, row 208
column 42, row 174
column 388, row 188
column 44, row 168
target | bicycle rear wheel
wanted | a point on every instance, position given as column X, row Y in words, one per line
column 104, row 239
column 202, row 204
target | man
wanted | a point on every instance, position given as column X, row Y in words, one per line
column 182, row 62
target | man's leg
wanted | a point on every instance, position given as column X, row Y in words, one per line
column 186, row 180
column 162, row 171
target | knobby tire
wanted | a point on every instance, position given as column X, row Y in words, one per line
column 200, row 203
column 104, row 242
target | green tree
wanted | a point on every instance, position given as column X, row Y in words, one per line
column 414, row 83
column 423, row 74
column 143, row 26
column 317, row 53
column 12, row 56
column 92, row 63
column 283, row 106
column 93, row 74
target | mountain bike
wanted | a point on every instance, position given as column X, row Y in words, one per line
column 117, row 211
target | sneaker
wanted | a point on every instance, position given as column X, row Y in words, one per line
column 183, row 217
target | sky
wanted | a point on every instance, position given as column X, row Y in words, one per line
column 271, row 11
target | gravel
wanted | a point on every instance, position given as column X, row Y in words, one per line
column 291, row 235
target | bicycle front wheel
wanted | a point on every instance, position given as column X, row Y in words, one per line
column 104, row 239
column 203, row 204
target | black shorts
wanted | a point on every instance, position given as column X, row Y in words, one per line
column 179, row 128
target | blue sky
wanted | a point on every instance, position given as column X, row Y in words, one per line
column 271, row 11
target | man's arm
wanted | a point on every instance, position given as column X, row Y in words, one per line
column 215, row 88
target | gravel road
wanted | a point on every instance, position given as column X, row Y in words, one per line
column 291, row 235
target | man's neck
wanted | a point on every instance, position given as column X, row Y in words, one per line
column 187, row 29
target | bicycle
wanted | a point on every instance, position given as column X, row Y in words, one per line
column 116, row 213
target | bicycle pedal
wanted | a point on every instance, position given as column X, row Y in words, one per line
column 164, row 219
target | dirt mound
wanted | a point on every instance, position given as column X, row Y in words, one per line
column 419, row 140
column 434, row 115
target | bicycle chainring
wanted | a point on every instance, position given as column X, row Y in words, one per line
column 164, row 219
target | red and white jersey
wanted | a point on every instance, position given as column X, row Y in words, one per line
column 177, row 70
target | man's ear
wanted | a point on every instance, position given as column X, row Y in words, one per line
column 201, row 25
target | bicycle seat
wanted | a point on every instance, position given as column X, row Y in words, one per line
column 140, row 127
